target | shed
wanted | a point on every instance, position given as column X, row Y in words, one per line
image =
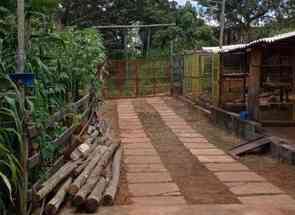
column 259, row 77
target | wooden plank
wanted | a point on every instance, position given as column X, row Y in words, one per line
column 250, row 146
column 254, row 83
column 74, row 107
column 34, row 160
column 57, row 164
column 66, row 136
column 36, row 131
column 278, row 123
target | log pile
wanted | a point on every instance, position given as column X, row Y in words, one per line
column 90, row 177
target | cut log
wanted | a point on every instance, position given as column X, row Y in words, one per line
column 107, row 173
column 93, row 151
column 78, row 153
column 55, row 203
column 54, row 180
column 92, row 180
column 95, row 197
column 80, row 181
column 111, row 190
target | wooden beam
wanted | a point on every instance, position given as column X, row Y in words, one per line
column 254, row 83
column 133, row 26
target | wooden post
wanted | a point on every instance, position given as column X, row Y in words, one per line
column 254, row 83
column 293, row 76
column 220, row 80
column 20, row 56
column 136, row 79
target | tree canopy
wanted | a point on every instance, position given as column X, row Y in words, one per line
column 191, row 31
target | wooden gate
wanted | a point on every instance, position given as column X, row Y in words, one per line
column 135, row 78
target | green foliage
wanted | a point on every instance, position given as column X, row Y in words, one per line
column 191, row 32
column 64, row 64
column 12, row 111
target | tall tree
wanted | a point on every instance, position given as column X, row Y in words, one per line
column 242, row 14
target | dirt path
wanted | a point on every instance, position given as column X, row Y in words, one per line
column 276, row 172
column 175, row 162
column 197, row 183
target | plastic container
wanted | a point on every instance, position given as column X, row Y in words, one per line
column 27, row 79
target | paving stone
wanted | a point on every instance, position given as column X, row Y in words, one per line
column 159, row 200
column 132, row 131
column 221, row 167
column 135, row 140
column 133, row 135
column 193, row 139
column 207, row 152
column 278, row 200
column 177, row 131
column 191, row 136
column 129, row 124
column 155, row 177
column 199, row 146
column 154, row 189
column 145, row 168
column 238, row 176
column 146, row 152
column 124, row 127
column 215, row 159
column 142, row 159
column 252, row 188
column 138, row 146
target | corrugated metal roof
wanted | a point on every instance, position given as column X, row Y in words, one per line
column 268, row 40
column 224, row 49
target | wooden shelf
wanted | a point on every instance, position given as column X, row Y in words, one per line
column 276, row 66
column 235, row 75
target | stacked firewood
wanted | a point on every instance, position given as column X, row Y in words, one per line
column 90, row 177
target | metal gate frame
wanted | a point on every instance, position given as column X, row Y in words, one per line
column 138, row 78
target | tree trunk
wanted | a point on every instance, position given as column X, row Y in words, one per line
column 80, row 168
column 111, row 190
column 82, row 178
column 94, row 176
column 95, row 197
column 55, row 203
column 52, row 182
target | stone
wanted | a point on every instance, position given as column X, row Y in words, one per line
column 133, row 135
column 138, row 146
column 142, row 159
column 199, row 146
column 145, row 168
column 177, row 209
column 154, row 189
column 222, row 167
column 253, row 188
column 279, row 200
column 193, row 140
column 207, row 152
column 155, row 177
column 215, row 159
column 190, row 136
column 135, row 140
column 159, row 200
column 238, row 176
column 145, row 152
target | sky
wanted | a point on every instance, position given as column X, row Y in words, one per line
column 182, row 2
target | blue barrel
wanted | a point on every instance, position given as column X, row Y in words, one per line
column 244, row 115
column 27, row 79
